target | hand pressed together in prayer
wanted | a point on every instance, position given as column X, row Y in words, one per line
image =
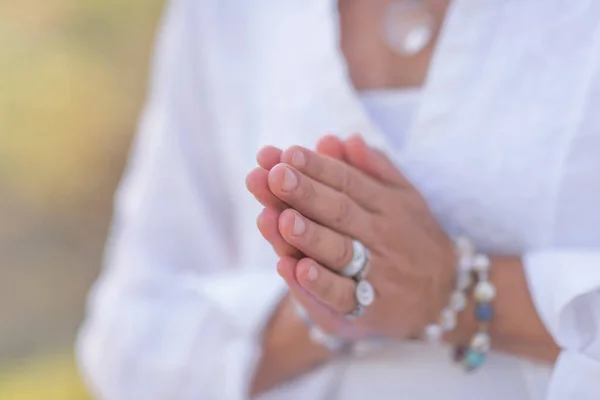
column 316, row 203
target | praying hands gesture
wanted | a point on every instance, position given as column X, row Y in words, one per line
column 317, row 203
column 318, row 206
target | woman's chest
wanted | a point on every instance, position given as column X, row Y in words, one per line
column 509, row 191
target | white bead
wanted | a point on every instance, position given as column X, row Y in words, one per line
column 481, row 263
column 481, row 342
column 433, row 333
column 465, row 250
column 301, row 312
column 326, row 340
column 485, row 292
column 463, row 280
column 464, row 246
column 465, row 264
column 448, row 319
column 458, row 301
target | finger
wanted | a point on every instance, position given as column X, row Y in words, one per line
column 267, row 223
column 257, row 182
column 331, row 146
column 327, row 287
column 268, row 157
column 372, row 161
column 286, row 268
column 321, row 314
column 322, row 244
column 337, row 174
column 321, row 203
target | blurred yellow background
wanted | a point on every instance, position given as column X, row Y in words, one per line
column 72, row 81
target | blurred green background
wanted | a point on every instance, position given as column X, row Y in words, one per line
column 72, row 82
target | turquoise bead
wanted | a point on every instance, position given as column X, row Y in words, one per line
column 484, row 312
column 474, row 359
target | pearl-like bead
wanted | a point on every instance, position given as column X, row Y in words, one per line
column 448, row 320
column 433, row 333
column 465, row 251
column 458, row 300
column 464, row 279
column 465, row 264
column 485, row 292
column 481, row 342
column 481, row 263
column 464, row 245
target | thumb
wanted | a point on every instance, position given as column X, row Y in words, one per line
column 372, row 161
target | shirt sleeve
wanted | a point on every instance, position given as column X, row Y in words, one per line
column 565, row 286
column 173, row 316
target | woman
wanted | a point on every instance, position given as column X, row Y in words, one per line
column 474, row 223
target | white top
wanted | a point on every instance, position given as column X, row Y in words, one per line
column 392, row 112
column 505, row 148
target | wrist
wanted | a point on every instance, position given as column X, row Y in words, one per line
column 446, row 283
column 463, row 323
column 287, row 350
column 451, row 290
column 290, row 334
column 472, row 354
column 466, row 327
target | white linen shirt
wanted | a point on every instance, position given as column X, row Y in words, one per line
column 505, row 148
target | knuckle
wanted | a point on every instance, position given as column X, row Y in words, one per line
column 306, row 191
column 315, row 166
column 343, row 216
column 348, row 181
column 326, row 290
column 314, row 237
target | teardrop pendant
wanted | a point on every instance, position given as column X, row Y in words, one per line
column 408, row 26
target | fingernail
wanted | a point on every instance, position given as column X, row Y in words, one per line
column 298, row 158
column 289, row 181
column 299, row 226
column 313, row 274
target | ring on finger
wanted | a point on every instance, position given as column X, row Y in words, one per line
column 364, row 292
column 360, row 259
column 365, row 295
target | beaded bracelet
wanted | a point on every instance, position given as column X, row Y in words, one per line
column 458, row 299
column 474, row 355
column 318, row 336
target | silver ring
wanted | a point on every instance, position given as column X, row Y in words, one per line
column 364, row 293
column 359, row 262
column 357, row 312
